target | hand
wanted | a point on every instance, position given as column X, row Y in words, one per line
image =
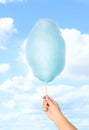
column 51, row 108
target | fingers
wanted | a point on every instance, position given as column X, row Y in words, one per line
column 49, row 100
column 47, row 103
column 45, row 106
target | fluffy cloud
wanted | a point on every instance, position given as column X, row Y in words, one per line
column 25, row 90
column 18, row 83
column 10, row 1
column 77, row 45
column 7, row 28
column 28, row 102
column 22, row 55
column 4, row 68
column 9, row 116
column 66, row 92
column 7, row 25
column 10, row 104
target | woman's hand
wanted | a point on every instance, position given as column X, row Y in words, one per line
column 51, row 108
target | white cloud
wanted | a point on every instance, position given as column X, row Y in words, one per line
column 18, row 83
column 21, row 83
column 28, row 104
column 77, row 46
column 31, row 92
column 25, row 91
column 4, row 68
column 10, row 104
column 29, row 101
column 6, row 85
column 9, row 116
column 10, row 1
column 7, row 25
column 22, row 56
column 7, row 28
column 63, row 93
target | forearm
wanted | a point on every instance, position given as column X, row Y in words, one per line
column 62, row 123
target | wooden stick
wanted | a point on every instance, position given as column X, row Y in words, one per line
column 46, row 89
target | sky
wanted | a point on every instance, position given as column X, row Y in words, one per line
column 20, row 92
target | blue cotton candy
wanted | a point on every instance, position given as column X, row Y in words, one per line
column 45, row 50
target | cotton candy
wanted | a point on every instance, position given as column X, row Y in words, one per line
column 45, row 50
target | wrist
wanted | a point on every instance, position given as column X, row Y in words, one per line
column 62, row 123
column 58, row 119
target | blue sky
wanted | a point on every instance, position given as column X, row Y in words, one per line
column 20, row 92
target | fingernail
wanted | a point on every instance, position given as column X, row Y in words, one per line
column 44, row 97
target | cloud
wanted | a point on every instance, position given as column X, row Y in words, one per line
column 18, row 83
column 28, row 103
column 21, row 55
column 10, row 1
column 7, row 28
column 7, row 25
column 65, row 93
column 9, row 116
column 77, row 45
column 10, row 104
column 23, row 91
column 4, row 68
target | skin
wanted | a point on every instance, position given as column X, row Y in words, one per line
column 51, row 108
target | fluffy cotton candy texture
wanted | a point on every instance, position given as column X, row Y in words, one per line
column 45, row 50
